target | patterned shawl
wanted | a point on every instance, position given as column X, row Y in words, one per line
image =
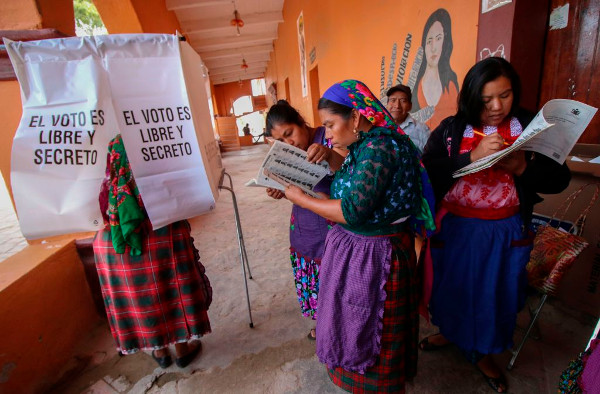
column 355, row 94
column 125, row 208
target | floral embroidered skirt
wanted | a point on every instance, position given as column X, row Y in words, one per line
column 306, row 279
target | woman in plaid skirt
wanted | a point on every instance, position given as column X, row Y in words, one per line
column 368, row 321
column 154, row 287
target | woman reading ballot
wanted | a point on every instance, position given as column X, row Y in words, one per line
column 368, row 322
column 482, row 246
column 307, row 229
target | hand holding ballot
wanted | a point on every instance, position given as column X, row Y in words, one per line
column 553, row 132
column 287, row 165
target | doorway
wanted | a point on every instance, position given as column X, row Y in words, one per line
column 571, row 60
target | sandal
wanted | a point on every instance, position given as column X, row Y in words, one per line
column 163, row 362
column 495, row 383
column 184, row 361
column 312, row 335
column 427, row 346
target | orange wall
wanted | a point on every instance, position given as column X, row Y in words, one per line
column 118, row 16
column 225, row 94
column 137, row 16
column 155, row 18
column 10, row 113
column 45, row 309
column 352, row 36
column 58, row 14
column 19, row 15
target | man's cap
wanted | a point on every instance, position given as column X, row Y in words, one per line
column 400, row 88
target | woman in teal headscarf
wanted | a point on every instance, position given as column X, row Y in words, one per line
column 368, row 322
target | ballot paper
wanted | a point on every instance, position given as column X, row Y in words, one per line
column 553, row 132
column 286, row 164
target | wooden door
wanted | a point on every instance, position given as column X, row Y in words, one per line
column 572, row 61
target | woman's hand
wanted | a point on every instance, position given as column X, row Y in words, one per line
column 514, row 163
column 295, row 194
column 488, row 145
column 316, row 153
column 274, row 193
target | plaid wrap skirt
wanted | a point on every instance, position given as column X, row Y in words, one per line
column 397, row 360
column 158, row 298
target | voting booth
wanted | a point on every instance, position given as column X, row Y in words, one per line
column 78, row 93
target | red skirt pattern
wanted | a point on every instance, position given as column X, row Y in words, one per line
column 156, row 299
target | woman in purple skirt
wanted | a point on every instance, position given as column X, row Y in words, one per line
column 307, row 229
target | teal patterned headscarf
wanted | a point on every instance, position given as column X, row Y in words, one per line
column 355, row 94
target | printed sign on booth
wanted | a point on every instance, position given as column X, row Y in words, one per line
column 78, row 93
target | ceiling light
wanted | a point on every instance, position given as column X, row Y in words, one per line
column 237, row 21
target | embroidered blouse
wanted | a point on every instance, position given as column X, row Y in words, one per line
column 378, row 182
column 489, row 193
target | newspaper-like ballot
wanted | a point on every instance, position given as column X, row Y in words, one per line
column 553, row 132
column 286, row 164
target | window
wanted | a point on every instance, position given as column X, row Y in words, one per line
column 258, row 87
column 87, row 19
column 242, row 105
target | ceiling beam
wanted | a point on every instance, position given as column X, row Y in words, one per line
column 223, row 24
column 232, row 61
column 174, row 5
column 233, row 52
column 221, row 80
column 236, row 73
column 238, row 67
column 207, row 44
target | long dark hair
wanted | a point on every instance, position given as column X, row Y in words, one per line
column 446, row 73
column 283, row 112
column 335, row 108
column 470, row 103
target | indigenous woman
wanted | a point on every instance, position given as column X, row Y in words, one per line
column 368, row 322
column 482, row 248
column 154, row 287
column 436, row 85
column 307, row 229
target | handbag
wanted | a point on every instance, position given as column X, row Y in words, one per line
column 555, row 250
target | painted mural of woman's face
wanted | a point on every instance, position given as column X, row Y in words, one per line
column 434, row 43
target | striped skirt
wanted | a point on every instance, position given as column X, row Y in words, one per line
column 158, row 298
column 397, row 360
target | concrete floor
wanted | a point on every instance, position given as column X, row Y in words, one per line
column 275, row 356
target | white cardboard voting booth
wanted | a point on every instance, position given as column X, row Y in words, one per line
column 77, row 94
